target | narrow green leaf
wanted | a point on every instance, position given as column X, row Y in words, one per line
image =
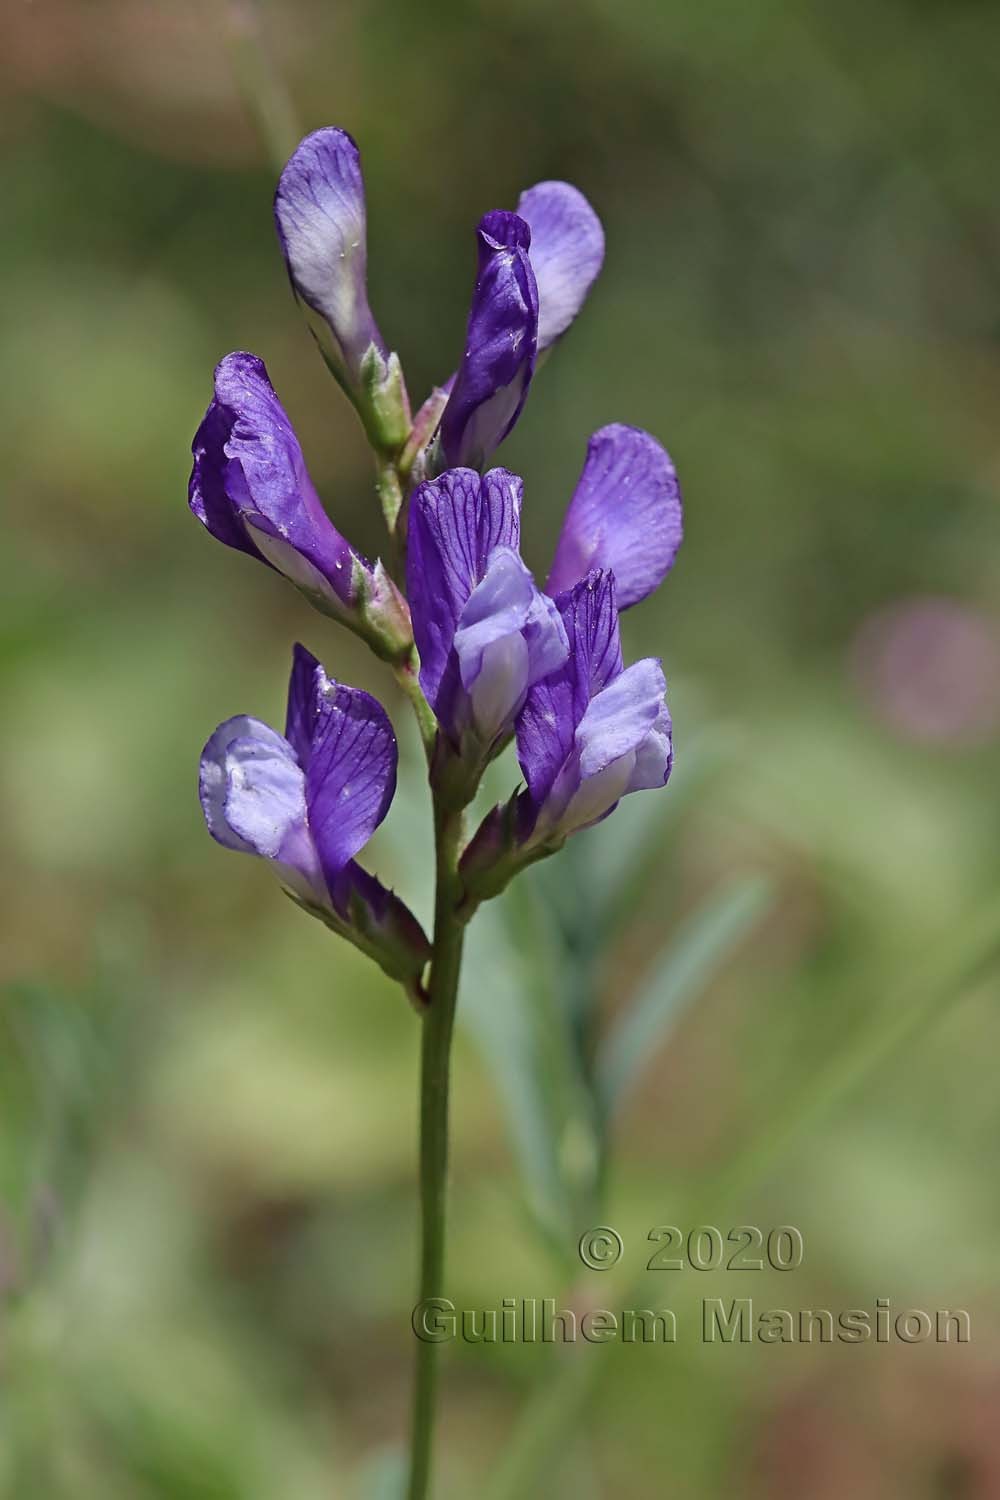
column 704, row 944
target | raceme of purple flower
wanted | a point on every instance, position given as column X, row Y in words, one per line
column 250, row 487
column 484, row 632
column 309, row 801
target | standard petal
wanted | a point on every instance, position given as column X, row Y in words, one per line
column 455, row 523
column 305, row 683
column 555, row 706
column 351, row 774
column 319, row 210
column 567, row 251
column 500, row 345
column 250, row 487
column 625, row 515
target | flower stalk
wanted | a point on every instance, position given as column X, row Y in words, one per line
column 435, row 1073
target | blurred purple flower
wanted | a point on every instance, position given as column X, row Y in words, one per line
column 484, row 632
column 308, row 802
column 250, row 488
column 930, row 668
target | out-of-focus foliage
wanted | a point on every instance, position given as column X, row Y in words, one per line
column 207, row 1106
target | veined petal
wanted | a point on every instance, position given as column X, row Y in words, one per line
column 625, row 515
column 555, row 706
column 500, row 344
column 350, row 775
column 455, row 524
column 319, row 210
column 567, row 252
column 304, row 686
column 251, row 489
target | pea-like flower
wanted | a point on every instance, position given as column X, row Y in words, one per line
column 589, row 734
column 484, row 631
column 320, row 215
column 595, row 729
column 500, row 345
column 250, row 488
column 308, row 801
column 535, row 269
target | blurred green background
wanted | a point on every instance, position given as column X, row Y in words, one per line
column 207, row 1105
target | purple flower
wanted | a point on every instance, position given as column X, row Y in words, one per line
column 588, row 734
column 625, row 515
column 319, row 210
column 484, row 632
column 535, row 270
column 492, row 382
column 249, row 486
column 567, row 252
column 594, row 730
column 309, row 801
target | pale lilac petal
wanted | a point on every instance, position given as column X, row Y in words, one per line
column 509, row 637
column 620, row 717
column 351, row 774
column 455, row 524
column 265, row 796
column 213, row 785
column 492, row 380
column 625, row 515
column 319, row 210
column 654, row 756
column 567, row 251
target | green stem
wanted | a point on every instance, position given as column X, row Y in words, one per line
column 407, row 675
column 435, row 1062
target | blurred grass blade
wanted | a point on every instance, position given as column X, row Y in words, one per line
column 704, row 944
column 506, row 1006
